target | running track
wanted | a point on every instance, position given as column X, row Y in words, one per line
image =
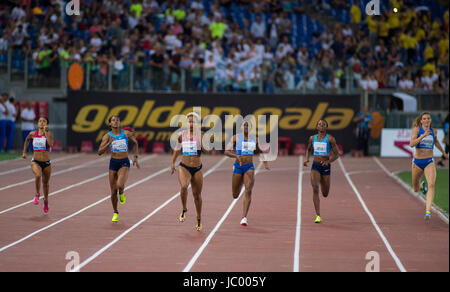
column 366, row 211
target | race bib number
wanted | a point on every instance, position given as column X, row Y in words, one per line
column 320, row 148
column 248, row 148
column 189, row 148
column 427, row 141
column 39, row 144
column 119, row 146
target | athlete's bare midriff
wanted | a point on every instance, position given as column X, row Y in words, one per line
column 422, row 153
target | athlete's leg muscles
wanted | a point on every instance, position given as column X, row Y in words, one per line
column 183, row 178
column 249, row 181
column 37, row 171
column 430, row 175
column 236, row 184
column 325, row 184
column 112, row 184
column 46, row 174
column 197, row 185
column 315, row 182
column 416, row 176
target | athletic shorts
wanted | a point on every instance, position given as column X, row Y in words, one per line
column 116, row 164
column 42, row 164
column 323, row 170
column 241, row 169
column 422, row 163
column 192, row 170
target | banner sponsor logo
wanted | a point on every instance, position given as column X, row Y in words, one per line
column 151, row 114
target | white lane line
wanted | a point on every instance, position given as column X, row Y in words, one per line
column 28, row 166
column 81, row 210
column 372, row 219
column 123, row 234
column 68, row 187
column 211, row 234
column 407, row 187
column 299, row 217
column 53, row 174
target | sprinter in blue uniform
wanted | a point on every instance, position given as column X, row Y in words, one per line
column 117, row 141
column 244, row 147
column 423, row 138
column 323, row 145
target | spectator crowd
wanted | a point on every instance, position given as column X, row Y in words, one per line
column 205, row 45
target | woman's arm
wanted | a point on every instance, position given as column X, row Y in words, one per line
column 175, row 154
column 49, row 136
column 230, row 153
column 25, row 145
column 334, row 150
column 308, row 150
column 414, row 140
column 206, row 150
column 106, row 141
column 439, row 146
column 131, row 137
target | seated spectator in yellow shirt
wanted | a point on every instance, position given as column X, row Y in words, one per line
column 355, row 13
column 429, row 68
column 136, row 6
column 428, row 53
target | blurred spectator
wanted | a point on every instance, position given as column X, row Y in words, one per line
column 10, row 120
column 289, row 78
column 157, row 63
column 27, row 117
column 311, row 82
column 413, row 38
column 241, row 83
column 258, row 28
column 445, row 141
column 209, row 68
column 334, row 83
column 4, row 112
column 363, row 122
column 406, row 83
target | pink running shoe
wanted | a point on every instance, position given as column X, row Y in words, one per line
column 36, row 199
column 45, row 207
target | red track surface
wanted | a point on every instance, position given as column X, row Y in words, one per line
column 28, row 241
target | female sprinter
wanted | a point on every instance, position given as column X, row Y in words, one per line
column 40, row 163
column 245, row 146
column 423, row 137
column 322, row 144
column 119, row 165
column 189, row 169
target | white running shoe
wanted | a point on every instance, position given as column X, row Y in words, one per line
column 244, row 221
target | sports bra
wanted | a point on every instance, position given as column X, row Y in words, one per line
column 40, row 143
column 192, row 146
column 245, row 147
column 322, row 147
column 120, row 143
column 428, row 141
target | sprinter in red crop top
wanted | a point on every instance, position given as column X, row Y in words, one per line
column 40, row 163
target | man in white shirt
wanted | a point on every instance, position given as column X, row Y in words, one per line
column 258, row 28
column 4, row 42
column 196, row 4
column 18, row 13
column 10, row 123
column 28, row 117
column 3, row 113
column 373, row 83
column 289, row 78
column 406, row 83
